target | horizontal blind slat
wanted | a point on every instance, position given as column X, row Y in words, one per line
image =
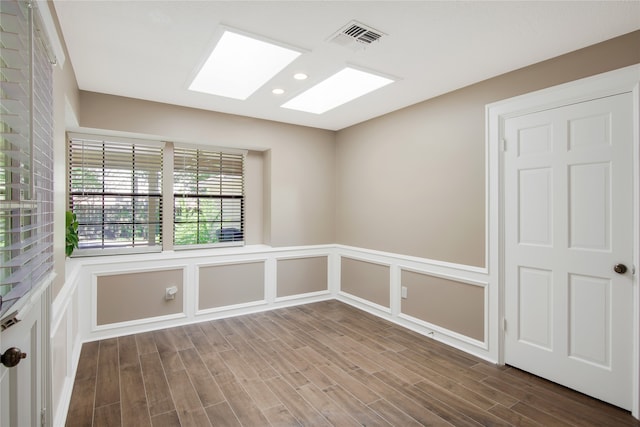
column 26, row 157
column 115, row 190
column 208, row 196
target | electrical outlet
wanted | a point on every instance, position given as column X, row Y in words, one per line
column 404, row 292
column 170, row 293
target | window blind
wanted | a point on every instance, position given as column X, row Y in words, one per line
column 115, row 190
column 208, row 197
column 26, row 154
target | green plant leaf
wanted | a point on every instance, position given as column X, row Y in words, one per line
column 71, row 238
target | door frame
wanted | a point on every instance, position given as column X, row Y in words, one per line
column 623, row 80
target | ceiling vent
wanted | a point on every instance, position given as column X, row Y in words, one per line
column 356, row 36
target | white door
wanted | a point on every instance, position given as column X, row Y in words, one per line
column 21, row 386
column 568, row 188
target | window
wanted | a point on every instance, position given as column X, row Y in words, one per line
column 208, row 197
column 26, row 155
column 115, row 190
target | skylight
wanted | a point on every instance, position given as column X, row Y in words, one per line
column 342, row 87
column 239, row 65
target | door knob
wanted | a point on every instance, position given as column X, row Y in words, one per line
column 12, row 357
column 620, row 268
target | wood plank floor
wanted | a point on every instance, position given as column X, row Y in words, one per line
column 320, row 364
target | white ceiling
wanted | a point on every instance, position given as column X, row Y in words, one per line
column 150, row 49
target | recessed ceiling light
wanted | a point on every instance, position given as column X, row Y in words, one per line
column 239, row 65
column 342, row 87
column 300, row 76
column 277, row 91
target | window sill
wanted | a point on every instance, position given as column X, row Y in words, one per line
column 168, row 255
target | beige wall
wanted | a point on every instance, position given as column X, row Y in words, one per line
column 365, row 280
column 132, row 296
column 410, row 182
column 413, row 181
column 299, row 200
column 453, row 305
column 230, row 284
column 65, row 106
column 301, row 275
column 254, row 198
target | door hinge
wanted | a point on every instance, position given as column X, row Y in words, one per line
column 43, row 417
column 9, row 320
column 503, row 145
column 504, row 324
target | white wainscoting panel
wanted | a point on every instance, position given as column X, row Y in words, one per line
column 74, row 309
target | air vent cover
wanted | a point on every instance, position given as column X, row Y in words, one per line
column 356, row 35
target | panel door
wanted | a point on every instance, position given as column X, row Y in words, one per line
column 21, row 385
column 568, row 222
